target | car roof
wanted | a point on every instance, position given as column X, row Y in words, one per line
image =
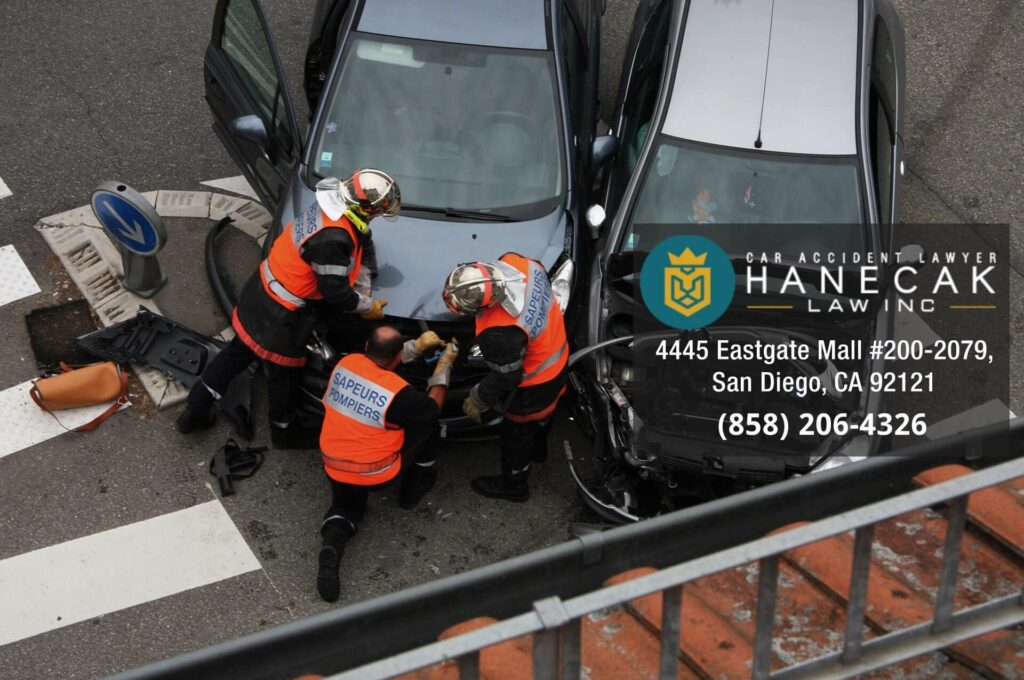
column 496, row 23
column 797, row 58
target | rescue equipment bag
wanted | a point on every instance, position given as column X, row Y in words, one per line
column 75, row 387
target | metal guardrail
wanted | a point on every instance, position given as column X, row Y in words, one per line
column 555, row 624
column 570, row 572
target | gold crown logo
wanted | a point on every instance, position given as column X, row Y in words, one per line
column 687, row 258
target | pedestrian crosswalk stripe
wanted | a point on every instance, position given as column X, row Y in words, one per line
column 23, row 424
column 133, row 564
column 236, row 185
column 4, row 189
column 16, row 280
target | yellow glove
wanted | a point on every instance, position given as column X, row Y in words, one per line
column 414, row 349
column 428, row 340
column 443, row 371
column 376, row 310
column 473, row 407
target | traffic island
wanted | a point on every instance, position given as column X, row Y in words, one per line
column 94, row 263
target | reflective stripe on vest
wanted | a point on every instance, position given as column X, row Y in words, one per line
column 357, row 445
column 541, row 320
column 276, row 288
column 290, row 279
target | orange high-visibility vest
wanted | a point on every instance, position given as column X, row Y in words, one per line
column 289, row 279
column 547, row 351
column 357, row 445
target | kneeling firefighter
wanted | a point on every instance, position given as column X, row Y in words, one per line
column 376, row 426
column 319, row 256
column 521, row 335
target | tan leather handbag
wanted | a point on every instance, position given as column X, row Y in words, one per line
column 79, row 386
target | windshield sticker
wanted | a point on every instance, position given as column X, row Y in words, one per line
column 331, row 127
column 325, row 159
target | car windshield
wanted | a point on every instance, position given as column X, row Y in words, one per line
column 459, row 127
column 749, row 201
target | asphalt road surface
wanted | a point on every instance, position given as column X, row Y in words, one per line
column 96, row 91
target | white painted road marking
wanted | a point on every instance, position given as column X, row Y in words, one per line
column 910, row 326
column 4, row 189
column 133, row 564
column 236, row 185
column 133, row 231
column 992, row 411
column 16, row 280
column 23, row 424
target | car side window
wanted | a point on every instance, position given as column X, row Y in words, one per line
column 883, row 65
column 246, row 45
column 575, row 66
column 882, row 144
column 640, row 100
column 883, row 99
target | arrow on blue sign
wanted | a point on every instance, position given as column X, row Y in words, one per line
column 133, row 231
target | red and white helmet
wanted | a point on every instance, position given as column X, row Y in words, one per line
column 473, row 287
column 375, row 193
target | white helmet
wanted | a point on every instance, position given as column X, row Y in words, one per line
column 373, row 192
column 473, row 287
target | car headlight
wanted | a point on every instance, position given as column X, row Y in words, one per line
column 561, row 283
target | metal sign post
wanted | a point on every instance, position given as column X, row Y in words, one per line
column 137, row 230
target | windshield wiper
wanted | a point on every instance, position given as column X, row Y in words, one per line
column 456, row 212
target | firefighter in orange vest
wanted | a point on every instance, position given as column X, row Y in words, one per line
column 521, row 335
column 376, row 426
column 319, row 256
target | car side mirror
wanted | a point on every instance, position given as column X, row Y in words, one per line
column 250, row 128
column 603, row 150
column 595, row 218
column 911, row 255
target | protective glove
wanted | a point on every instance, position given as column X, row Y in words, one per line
column 473, row 407
column 443, row 371
column 364, row 283
column 376, row 310
column 414, row 349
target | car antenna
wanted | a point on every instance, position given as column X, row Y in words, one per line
column 764, row 85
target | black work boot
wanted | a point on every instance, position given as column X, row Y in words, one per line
column 294, row 436
column 514, row 489
column 336, row 535
column 417, row 482
column 193, row 419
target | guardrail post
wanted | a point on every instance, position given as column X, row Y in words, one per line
column 767, row 583
column 569, row 635
column 469, row 666
column 671, row 608
column 857, row 599
column 950, row 564
column 553, row 617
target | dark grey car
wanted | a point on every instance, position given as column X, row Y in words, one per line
column 756, row 113
column 484, row 112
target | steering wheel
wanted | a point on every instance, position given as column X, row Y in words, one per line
column 488, row 119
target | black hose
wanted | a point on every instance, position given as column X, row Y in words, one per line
column 221, row 287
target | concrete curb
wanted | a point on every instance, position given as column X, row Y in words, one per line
column 94, row 264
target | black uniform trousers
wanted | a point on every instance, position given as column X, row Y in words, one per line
column 522, row 442
column 282, row 382
column 348, row 501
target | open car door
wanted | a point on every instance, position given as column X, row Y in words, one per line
column 245, row 88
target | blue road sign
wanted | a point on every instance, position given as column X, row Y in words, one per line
column 129, row 218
